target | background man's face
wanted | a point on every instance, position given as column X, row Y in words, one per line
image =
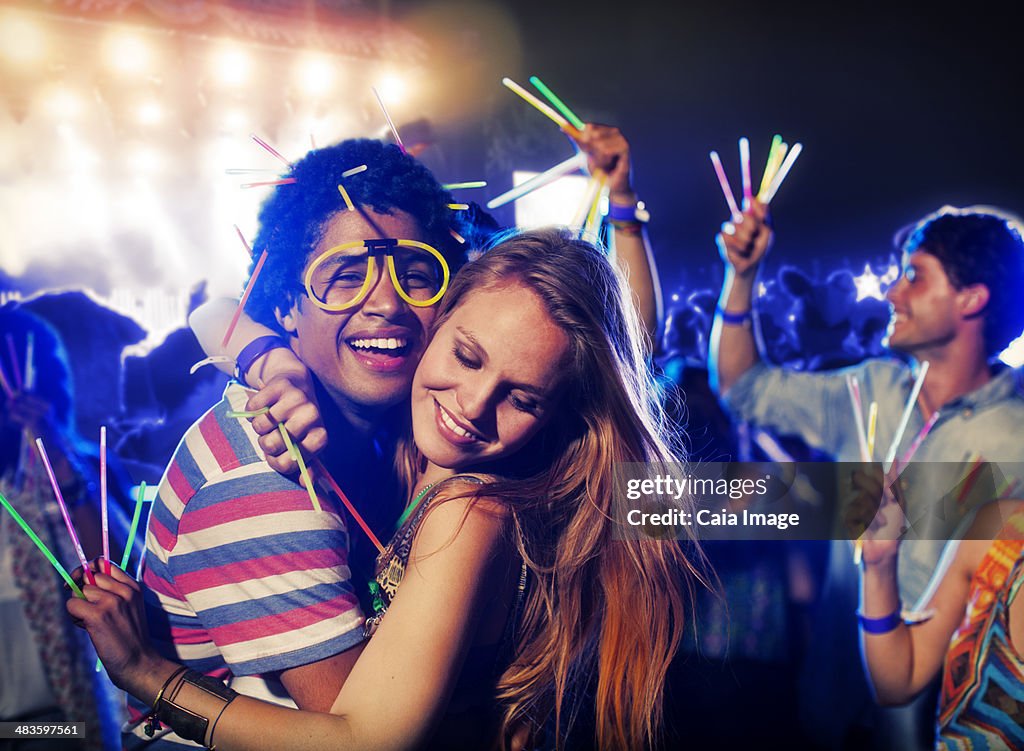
column 923, row 305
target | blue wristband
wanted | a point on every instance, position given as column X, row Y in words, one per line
column 882, row 625
column 252, row 351
column 734, row 319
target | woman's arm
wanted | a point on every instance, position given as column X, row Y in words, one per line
column 400, row 685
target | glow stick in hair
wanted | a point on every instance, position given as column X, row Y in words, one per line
column 15, row 367
column 104, row 520
column 459, row 238
column 133, row 529
column 540, row 106
column 573, row 163
column 783, row 171
column 345, row 195
column 559, row 104
column 853, row 387
column 244, row 300
column 769, row 170
column 269, row 148
column 745, row 168
column 458, row 206
column 64, row 512
column 461, row 186
column 354, row 171
column 282, row 181
column 30, row 361
column 723, row 181
column 245, row 242
column 391, row 123
column 42, row 547
column 890, row 455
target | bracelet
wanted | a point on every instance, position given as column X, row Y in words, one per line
column 254, row 350
column 622, row 213
column 734, row 319
column 631, row 227
column 152, row 724
column 186, row 723
column 882, row 625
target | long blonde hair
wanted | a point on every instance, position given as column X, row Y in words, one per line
column 616, row 607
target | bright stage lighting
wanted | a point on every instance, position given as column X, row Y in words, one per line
column 21, row 40
column 231, row 66
column 316, row 75
column 128, row 54
column 146, row 160
column 150, row 113
column 392, row 88
column 555, row 203
column 62, row 103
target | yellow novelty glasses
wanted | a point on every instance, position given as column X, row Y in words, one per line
column 341, row 277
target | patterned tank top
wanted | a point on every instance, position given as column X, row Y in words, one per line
column 982, row 701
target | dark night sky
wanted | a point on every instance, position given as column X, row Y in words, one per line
column 899, row 110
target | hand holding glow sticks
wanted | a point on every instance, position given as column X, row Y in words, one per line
column 743, row 244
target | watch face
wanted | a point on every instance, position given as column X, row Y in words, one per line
column 642, row 214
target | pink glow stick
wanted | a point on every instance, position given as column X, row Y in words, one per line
column 745, row 169
column 918, row 439
column 391, row 123
column 15, row 367
column 269, row 148
column 244, row 300
column 245, row 242
column 103, row 500
column 724, row 182
column 282, row 181
column 64, row 512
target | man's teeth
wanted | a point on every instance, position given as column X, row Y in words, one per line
column 391, row 343
column 454, row 427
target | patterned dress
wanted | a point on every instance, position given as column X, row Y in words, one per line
column 982, row 700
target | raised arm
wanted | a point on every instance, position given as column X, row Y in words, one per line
column 742, row 245
column 409, row 666
column 607, row 151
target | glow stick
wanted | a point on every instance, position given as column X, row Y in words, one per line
column 348, row 200
column 64, row 512
column 297, row 456
column 460, row 186
column 890, row 455
column 391, row 124
column 134, row 527
column 744, row 167
column 916, row 443
column 769, row 171
column 5, row 385
column 580, row 217
column 858, row 418
column 458, row 206
column 354, row 171
column 245, row 242
column 593, row 218
column 461, row 240
column 559, row 104
column 872, row 428
column 269, row 148
column 254, row 413
column 783, row 171
column 211, row 360
column 103, row 500
column 974, row 469
column 282, row 181
column 245, row 298
column 239, row 171
column 573, row 163
column 543, row 108
column 723, row 181
column 43, row 549
column 321, row 472
column 30, row 361
column 15, row 367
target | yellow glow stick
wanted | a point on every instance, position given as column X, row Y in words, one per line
column 458, row 206
column 872, row 426
column 540, row 106
column 344, row 194
column 354, row 171
column 780, row 175
column 769, row 172
column 297, row 456
column 559, row 104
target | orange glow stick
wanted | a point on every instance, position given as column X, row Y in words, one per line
column 322, row 472
column 282, row 181
column 245, row 242
column 543, row 108
column 245, row 298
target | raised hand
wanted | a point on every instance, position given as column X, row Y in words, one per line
column 743, row 244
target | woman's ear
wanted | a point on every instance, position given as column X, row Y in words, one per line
column 973, row 300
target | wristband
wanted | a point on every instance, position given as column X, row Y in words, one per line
column 734, row 319
column 254, row 350
column 632, row 213
column 882, row 625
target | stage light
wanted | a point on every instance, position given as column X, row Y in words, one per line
column 150, row 113
column 21, row 40
column 316, row 75
column 555, row 203
column 128, row 54
column 146, row 160
column 392, row 88
column 1013, row 355
column 868, row 284
column 231, row 66
column 62, row 103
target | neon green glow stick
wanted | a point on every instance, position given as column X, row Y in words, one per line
column 297, row 456
column 460, row 186
column 134, row 528
column 559, row 104
column 247, row 415
column 39, row 544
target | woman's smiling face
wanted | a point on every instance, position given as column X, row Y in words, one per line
column 490, row 378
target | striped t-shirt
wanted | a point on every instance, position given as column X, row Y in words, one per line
column 243, row 576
